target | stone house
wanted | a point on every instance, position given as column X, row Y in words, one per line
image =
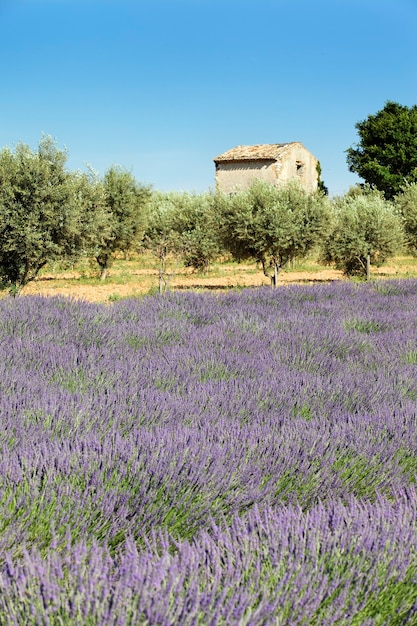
column 275, row 163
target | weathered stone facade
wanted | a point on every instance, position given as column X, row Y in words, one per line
column 274, row 163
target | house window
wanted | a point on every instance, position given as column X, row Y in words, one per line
column 299, row 167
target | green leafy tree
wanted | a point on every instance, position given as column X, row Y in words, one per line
column 94, row 227
column 161, row 239
column 406, row 203
column 273, row 225
column 182, row 228
column 42, row 215
column 127, row 205
column 194, row 219
column 366, row 230
column 386, row 155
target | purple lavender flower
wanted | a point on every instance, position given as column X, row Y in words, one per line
column 195, row 459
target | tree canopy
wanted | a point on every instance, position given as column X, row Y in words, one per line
column 194, row 218
column 366, row 230
column 386, row 155
column 126, row 202
column 272, row 224
column 42, row 212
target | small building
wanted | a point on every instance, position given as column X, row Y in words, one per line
column 275, row 163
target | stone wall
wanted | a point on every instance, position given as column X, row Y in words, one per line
column 237, row 176
column 300, row 164
column 296, row 163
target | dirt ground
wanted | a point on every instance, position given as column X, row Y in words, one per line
column 128, row 279
column 147, row 282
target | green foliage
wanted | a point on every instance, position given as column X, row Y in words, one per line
column 95, row 225
column 46, row 212
column 185, row 226
column 364, row 326
column 271, row 224
column 194, row 219
column 127, row 203
column 160, row 237
column 364, row 225
column 406, row 203
column 411, row 357
column 320, row 183
column 386, row 155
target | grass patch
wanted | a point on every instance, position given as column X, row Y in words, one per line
column 365, row 326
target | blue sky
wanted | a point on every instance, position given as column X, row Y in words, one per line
column 162, row 87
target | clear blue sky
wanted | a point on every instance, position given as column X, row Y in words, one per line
column 162, row 87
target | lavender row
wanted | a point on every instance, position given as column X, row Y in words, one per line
column 217, row 403
column 336, row 564
column 175, row 417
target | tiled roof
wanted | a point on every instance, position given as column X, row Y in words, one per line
column 268, row 151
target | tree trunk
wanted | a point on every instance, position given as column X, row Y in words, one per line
column 368, row 267
column 274, row 278
column 103, row 261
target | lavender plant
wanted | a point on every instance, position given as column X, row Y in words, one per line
column 248, row 458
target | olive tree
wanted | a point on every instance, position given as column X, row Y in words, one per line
column 42, row 212
column 182, row 227
column 160, row 237
column 127, row 204
column 366, row 230
column 95, row 218
column 194, row 219
column 273, row 225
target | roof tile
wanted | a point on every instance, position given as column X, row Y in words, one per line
column 269, row 151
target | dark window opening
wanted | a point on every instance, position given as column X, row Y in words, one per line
column 299, row 167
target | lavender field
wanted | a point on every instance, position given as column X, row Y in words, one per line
column 192, row 459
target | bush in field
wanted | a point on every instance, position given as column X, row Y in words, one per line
column 46, row 212
column 366, row 230
column 126, row 202
column 273, row 225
